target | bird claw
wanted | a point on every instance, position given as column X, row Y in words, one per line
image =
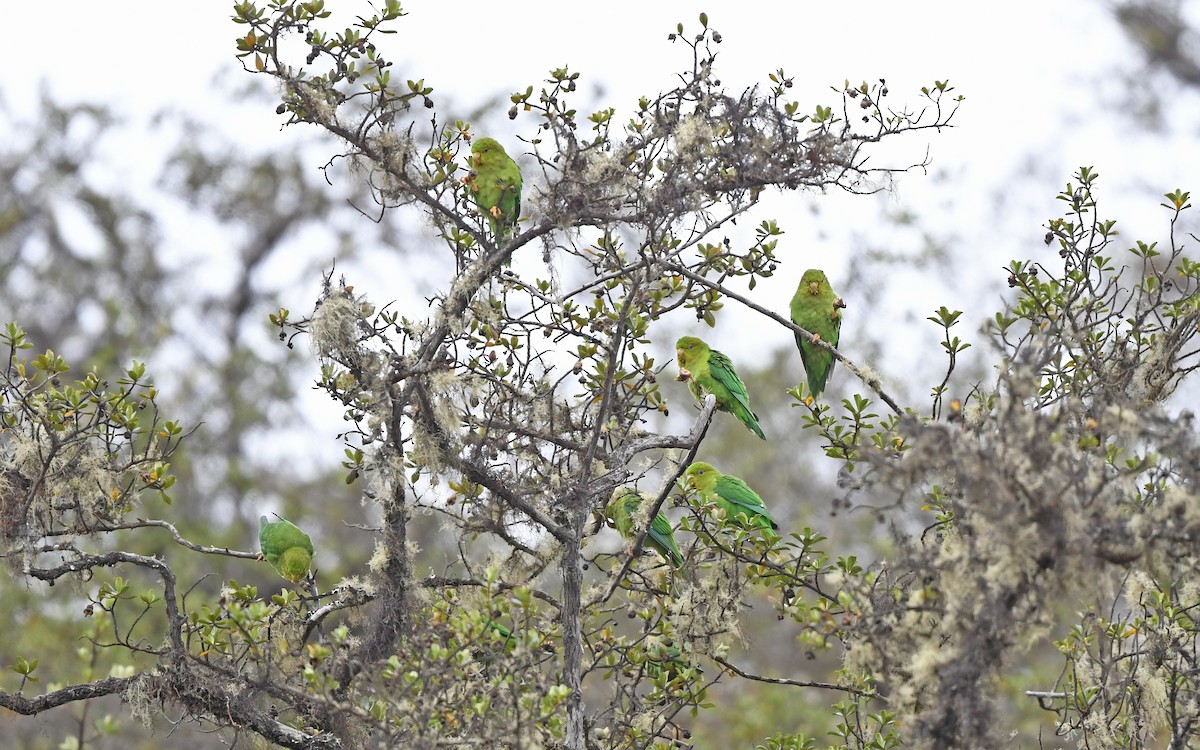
column 684, row 374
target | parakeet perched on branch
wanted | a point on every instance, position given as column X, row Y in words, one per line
column 709, row 371
column 286, row 547
column 496, row 184
column 504, row 633
column 668, row 659
column 620, row 511
column 741, row 504
column 816, row 309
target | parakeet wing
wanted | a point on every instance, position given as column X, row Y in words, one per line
column 721, row 369
column 743, row 499
column 505, row 634
column 662, row 538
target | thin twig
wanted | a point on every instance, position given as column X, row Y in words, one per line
column 146, row 522
column 795, row 683
column 85, row 561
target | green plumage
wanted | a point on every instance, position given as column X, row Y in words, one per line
column 816, row 309
column 504, row 634
column 709, row 371
column 496, row 183
column 741, row 504
column 662, row 659
column 286, row 547
column 620, row 511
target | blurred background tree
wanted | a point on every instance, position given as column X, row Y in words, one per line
column 93, row 273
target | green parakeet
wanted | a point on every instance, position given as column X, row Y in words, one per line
column 286, row 547
column 668, row 659
column 496, row 184
column 741, row 504
column 620, row 511
column 709, row 371
column 816, row 309
column 503, row 633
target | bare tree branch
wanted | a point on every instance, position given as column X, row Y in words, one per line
column 32, row 706
column 794, row 683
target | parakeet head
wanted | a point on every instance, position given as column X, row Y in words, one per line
column 814, row 282
column 689, row 349
column 294, row 563
column 701, row 475
column 487, row 150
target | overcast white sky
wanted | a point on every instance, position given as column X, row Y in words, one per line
column 1042, row 80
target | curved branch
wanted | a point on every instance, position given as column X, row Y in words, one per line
column 354, row 597
column 795, row 683
column 181, row 688
column 32, row 706
column 179, row 539
column 86, row 561
column 438, row 581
